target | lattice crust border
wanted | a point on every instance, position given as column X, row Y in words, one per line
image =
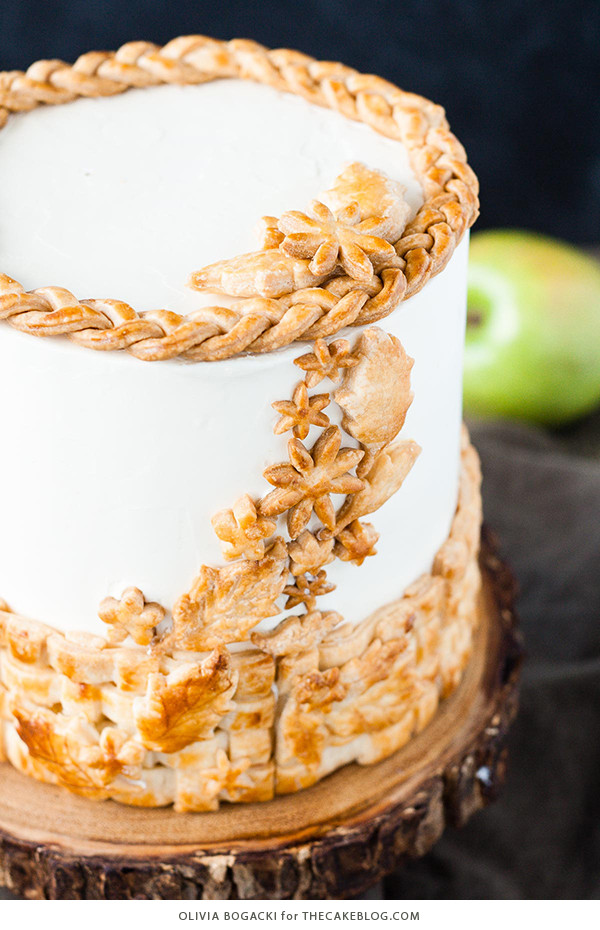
column 259, row 325
column 92, row 717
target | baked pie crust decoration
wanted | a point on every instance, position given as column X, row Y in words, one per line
column 306, row 483
column 327, row 360
column 242, row 531
column 224, row 604
column 131, row 616
column 301, row 412
column 402, row 260
column 375, row 395
column 186, row 705
column 343, row 239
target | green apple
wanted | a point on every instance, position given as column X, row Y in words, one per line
column 532, row 348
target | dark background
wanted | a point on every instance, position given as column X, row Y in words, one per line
column 520, row 80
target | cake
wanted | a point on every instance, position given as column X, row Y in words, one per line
column 240, row 515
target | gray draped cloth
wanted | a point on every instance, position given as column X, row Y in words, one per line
column 542, row 838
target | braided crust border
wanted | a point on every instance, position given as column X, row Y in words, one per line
column 191, row 730
column 259, row 325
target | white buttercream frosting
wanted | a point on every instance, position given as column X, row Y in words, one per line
column 112, row 467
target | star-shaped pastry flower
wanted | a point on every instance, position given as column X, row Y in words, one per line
column 130, row 616
column 326, row 361
column 241, row 531
column 306, row 590
column 330, row 240
column 306, row 482
column 356, row 542
column 301, row 412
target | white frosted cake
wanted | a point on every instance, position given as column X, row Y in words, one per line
column 240, row 516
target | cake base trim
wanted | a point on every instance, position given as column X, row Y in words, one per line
column 192, row 730
column 332, row 842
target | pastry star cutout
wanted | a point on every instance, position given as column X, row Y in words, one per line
column 306, row 590
column 241, row 531
column 301, row 412
column 330, row 240
column 326, row 361
column 320, row 689
column 306, row 482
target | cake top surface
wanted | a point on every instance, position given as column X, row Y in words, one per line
column 138, row 192
column 135, row 191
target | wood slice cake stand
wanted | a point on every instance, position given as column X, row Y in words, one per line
column 330, row 841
